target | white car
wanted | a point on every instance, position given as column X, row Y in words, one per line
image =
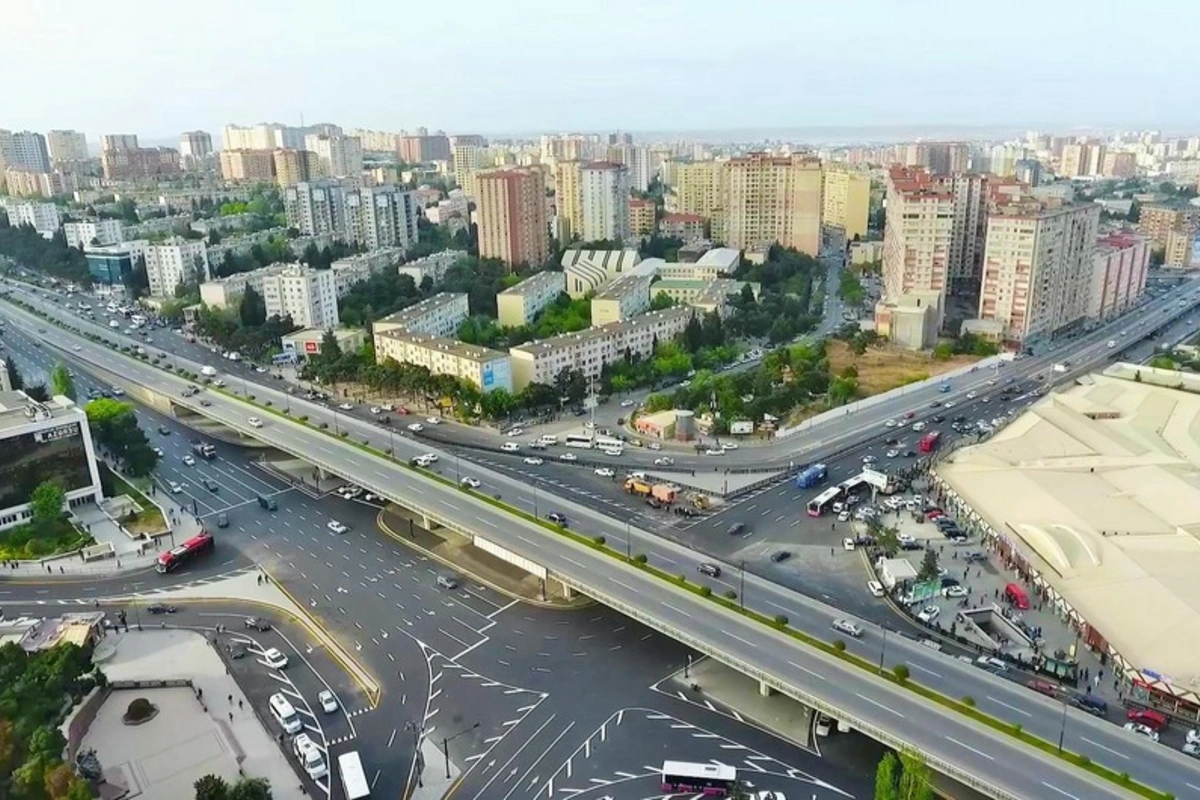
column 843, row 516
column 434, row 420
column 869, row 459
column 664, row 461
column 275, row 659
column 533, row 461
column 517, row 432
column 612, row 451
column 627, row 404
column 310, row 756
column 891, row 423
column 847, row 627
column 416, row 427
column 948, row 404
column 75, row 347
column 893, row 453
column 158, row 451
column 176, row 488
column 905, row 538
column 470, row 483
column 928, row 614
column 714, row 452
column 1192, row 749
column 568, row 457
column 1142, row 730
column 376, row 409
column 329, row 703
column 954, row 591
column 336, row 526
column 875, row 588
column 429, row 458
column 1193, row 736
column 189, row 461
column 345, row 407
column 255, row 422
column 848, row 544
column 604, row 472
column 729, row 446
column 971, row 395
column 918, row 426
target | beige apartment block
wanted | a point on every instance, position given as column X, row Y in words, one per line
column 688, row 227
column 641, row 217
column 295, row 166
column 437, row 316
column 519, row 304
column 701, row 188
column 846, row 200
column 917, row 234
column 484, row 368
column 568, row 199
column 627, row 296
column 774, row 199
column 511, row 210
column 247, row 165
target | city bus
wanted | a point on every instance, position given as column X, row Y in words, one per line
column 713, row 780
column 354, row 780
column 608, row 443
column 822, row 502
column 575, row 440
column 197, row 545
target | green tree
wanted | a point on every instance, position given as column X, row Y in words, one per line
column 37, row 392
column 943, row 351
column 253, row 308
column 660, row 301
column 498, row 403
column 61, row 380
column 211, row 787
column 115, row 427
column 915, row 783
column 14, row 376
column 887, row 777
column 47, row 502
column 929, row 565
column 1163, row 362
column 842, row 391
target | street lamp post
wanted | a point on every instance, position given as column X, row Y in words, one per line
column 687, row 667
column 446, row 745
column 628, row 543
column 1062, row 730
column 883, row 648
column 742, row 587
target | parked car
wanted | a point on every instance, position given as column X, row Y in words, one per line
column 329, row 703
column 781, row 555
column 275, row 659
column 1142, row 730
column 929, row 614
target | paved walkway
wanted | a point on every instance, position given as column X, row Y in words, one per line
column 714, row 681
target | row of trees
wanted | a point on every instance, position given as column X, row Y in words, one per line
column 33, row 687
column 115, row 428
column 214, row 787
column 51, row 256
column 783, row 310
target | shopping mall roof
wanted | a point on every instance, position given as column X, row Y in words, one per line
column 1100, row 486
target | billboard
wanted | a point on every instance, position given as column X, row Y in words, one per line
column 875, row 479
column 741, row 427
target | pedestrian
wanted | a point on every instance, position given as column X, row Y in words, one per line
column 831, row 552
column 1101, row 674
column 239, row 705
column 199, row 693
column 230, row 699
column 231, row 716
column 60, row 570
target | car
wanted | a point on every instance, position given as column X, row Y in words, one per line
column 470, row 483
column 75, row 347
column 1152, row 719
column 869, row 459
column 1142, row 730
column 948, row 404
column 949, row 592
column 189, row 461
column 176, row 488
column 336, row 526
column 275, row 659
column 875, row 588
column 328, row 702
column 843, row 516
column 627, row 404
column 158, row 451
column 612, row 451
column 376, row 409
column 257, row 623
column 163, row 430
column 892, row 453
column 533, row 461
column 781, row 555
column 729, row 446
column 971, row 395
column 664, row 461
column 345, row 407
column 1191, row 749
column 416, row 427
column 929, row 614
column 604, row 472
column 568, row 457
column 910, row 453
column 1193, row 736
column 236, row 650
column 847, row 627
column 1044, row 687
column 714, row 452
column 255, row 422
column 434, row 420
column 889, row 423
column 211, row 485
column 555, row 517
column 938, row 418
column 161, row 608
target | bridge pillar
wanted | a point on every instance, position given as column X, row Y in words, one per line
column 764, row 690
column 427, row 523
column 568, row 592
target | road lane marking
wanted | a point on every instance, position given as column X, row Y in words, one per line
column 1009, row 707
column 677, row 610
column 740, row 639
column 926, row 670
column 968, row 747
column 1068, row 794
column 806, row 669
column 879, row 705
column 1102, row 747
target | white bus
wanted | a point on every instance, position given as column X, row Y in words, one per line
column 354, row 780
column 822, row 502
column 574, row 440
column 715, row 780
column 608, row 443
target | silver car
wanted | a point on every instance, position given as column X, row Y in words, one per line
column 847, row 627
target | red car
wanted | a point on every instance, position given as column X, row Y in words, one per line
column 1154, row 720
column 933, row 514
column 1044, row 687
column 910, row 415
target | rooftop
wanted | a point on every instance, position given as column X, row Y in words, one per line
column 429, row 305
column 17, row 409
column 604, row 331
column 451, row 347
column 1100, row 485
column 535, row 283
column 624, row 285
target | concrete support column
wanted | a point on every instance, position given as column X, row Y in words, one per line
column 568, row 592
column 427, row 523
column 764, row 690
column 322, row 474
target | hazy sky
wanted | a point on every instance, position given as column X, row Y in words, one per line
column 157, row 67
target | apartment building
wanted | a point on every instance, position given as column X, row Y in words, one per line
column 44, row 217
column 589, row 350
column 687, row 227
column 174, row 262
column 111, row 142
column 465, row 160
column 338, row 156
column 140, row 163
column 1119, row 267
column 1037, row 267
column 1119, row 165
column 1081, row 159
column 424, row 149
column 625, row 297
column 845, row 200
column 380, row 216
column 604, row 189
column 195, row 149
column 24, row 183
column 938, row 158
column 308, row 296
column 486, row 369
column 294, row 166
column 704, row 295
column 642, row 214
column 263, row 136
column 433, row 267
column 568, row 200
column 511, row 209
column 438, row 316
column 98, row 231
column 109, row 264
column 66, row 147
column 454, row 204
column 588, row 270
column 1171, row 227
column 774, row 199
column 519, row 304
column 227, row 292
column 353, row 270
column 377, row 141
column 24, row 150
column 247, row 165
column 316, row 208
column 700, row 188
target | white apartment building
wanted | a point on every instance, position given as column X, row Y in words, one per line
column 587, row 270
column 263, row 136
column 487, row 369
column 308, row 296
column 316, row 208
column 456, row 203
column 348, row 272
column 227, row 292
column 43, row 217
column 519, row 304
column 917, row 235
column 604, row 194
column 636, row 158
column 465, row 161
column 174, row 262
column 589, row 350
column 627, row 296
column 26, row 150
column 102, row 231
column 438, row 316
column 381, row 216
column 195, row 148
column 432, row 266
column 338, row 156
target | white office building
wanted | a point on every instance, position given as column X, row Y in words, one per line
column 174, row 262
column 308, row 296
column 97, row 231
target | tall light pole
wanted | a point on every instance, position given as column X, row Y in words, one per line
column 1062, row 730
column 742, row 588
column 883, row 648
column 446, row 745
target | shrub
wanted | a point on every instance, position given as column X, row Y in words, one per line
column 598, row 541
column 304, row 417
column 343, row 434
column 267, row 403
column 901, row 672
column 781, row 620
column 968, row 701
column 324, row 426
column 139, row 710
column 681, row 578
column 731, row 594
column 705, row 591
column 640, row 558
column 839, row 645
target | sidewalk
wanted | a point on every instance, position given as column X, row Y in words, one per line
column 460, row 555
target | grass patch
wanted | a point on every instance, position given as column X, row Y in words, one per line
column 881, row 369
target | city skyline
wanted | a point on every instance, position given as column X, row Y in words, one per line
column 874, row 65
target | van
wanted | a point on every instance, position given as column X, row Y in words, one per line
column 268, row 503
column 1090, row 703
column 285, row 714
column 510, row 447
column 548, row 439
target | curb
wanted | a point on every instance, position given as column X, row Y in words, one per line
column 383, row 526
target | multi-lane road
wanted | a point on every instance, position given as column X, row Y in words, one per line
column 874, row 702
